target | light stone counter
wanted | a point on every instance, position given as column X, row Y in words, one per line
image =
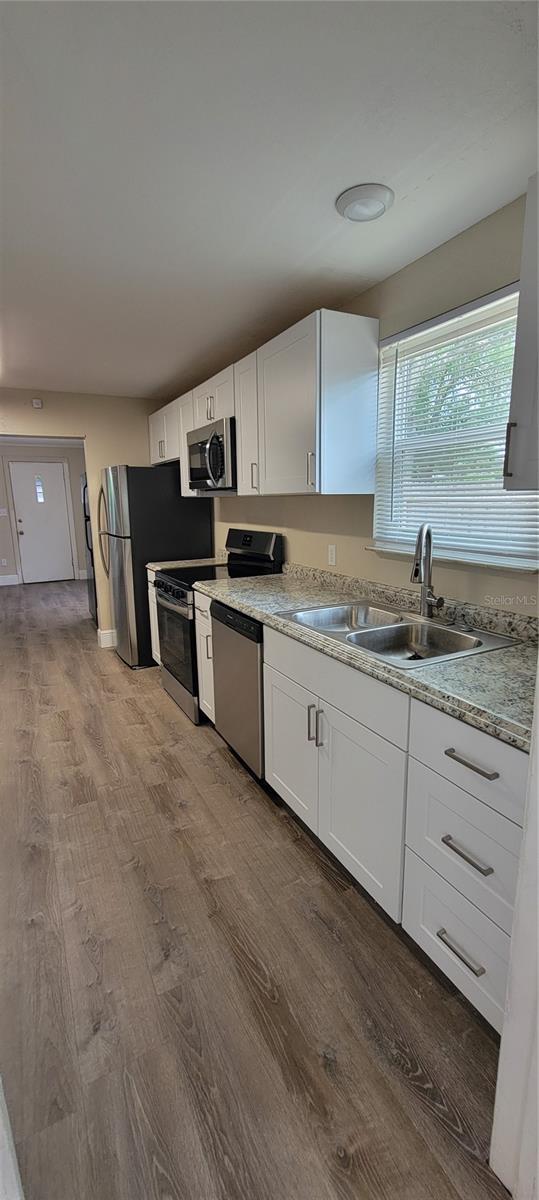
column 493, row 691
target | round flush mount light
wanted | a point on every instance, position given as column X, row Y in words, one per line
column 366, row 202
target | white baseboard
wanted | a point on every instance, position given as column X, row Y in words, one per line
column 9, row 580
column 82, row 573
column 106, row 638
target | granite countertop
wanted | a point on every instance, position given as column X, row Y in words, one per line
column 185, row 562
column 493, row 691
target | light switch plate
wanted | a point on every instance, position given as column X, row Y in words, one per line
column 3, row 512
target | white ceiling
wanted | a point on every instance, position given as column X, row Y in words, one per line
column 170, row 169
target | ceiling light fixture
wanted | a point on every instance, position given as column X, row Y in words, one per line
column 366, row 202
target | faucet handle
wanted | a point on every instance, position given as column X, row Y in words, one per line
column 436, row 601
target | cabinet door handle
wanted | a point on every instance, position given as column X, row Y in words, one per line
column 311, row 737
column 476, row 968
column 451, row 844
column 318, row 737
column 254, row 474
column 208, row 644
column 162, row 448
column 465, row 762
column 507, row 474
column 212, row 408
column 310, row 464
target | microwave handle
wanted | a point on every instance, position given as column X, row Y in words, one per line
column 211, row 475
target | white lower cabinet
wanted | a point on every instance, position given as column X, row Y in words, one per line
column 203, row 631
column 154, row 623
column 291, row 751
column 465, row 944
column 361, row 805
column 344, row 781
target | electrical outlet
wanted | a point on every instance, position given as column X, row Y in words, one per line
column 332, row 555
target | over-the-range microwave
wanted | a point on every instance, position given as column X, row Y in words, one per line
column 212, row 456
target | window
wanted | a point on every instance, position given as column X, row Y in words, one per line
column 40, row 494
column 443, row 408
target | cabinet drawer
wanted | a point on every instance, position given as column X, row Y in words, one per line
column 444, row 824
column 381, row 708
column 492, row 771
column 469, row 948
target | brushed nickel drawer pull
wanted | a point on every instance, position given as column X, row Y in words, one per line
column 310, row 466
column 465, row 762
column 318, row 739
column 465, row 854
column 311, row 737
column 476, row 969
column 208, row 644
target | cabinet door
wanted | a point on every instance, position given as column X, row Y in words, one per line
column 246, row 402
column 361, row 805
column 521, row 470
column 172, row 430
column 222, row 395
column 215, row 398
column 205, row 666
column 291, row 753
column 156, row 431
column 288, row 401
column 186, row 422
column 154, row 624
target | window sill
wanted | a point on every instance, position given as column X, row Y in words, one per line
column 458, row 557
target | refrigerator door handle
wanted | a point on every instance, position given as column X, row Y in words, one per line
column 105, row 558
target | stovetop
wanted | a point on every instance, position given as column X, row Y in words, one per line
column 185, row 577
column 250, row 552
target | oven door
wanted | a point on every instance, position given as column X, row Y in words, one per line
column 177, row 641
column 211, row 455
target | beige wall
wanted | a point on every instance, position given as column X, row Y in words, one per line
column 478, row 261
column 16, row 452
column 115, row 430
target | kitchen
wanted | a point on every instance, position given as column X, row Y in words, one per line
column 301, row 846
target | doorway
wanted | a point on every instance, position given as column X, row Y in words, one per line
column 44, row 522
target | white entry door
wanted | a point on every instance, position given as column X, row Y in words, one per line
column 41, row 517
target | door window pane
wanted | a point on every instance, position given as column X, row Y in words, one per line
column 40, row 494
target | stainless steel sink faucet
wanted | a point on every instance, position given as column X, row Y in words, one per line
column 422, row 572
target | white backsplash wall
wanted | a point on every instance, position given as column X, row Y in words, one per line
column 475, row 263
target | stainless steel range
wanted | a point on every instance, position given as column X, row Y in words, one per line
column 250, row 552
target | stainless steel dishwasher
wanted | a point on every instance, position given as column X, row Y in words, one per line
column 237, row 670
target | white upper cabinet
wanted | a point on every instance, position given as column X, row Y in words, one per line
column 156, row 432
column 186, row 422
column 246, row 401
column 521, row 465
column 215, row 398
column 317, row 399
column 288, row 394
column 164, row 433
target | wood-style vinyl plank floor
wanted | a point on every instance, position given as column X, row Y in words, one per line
column 195, row 1001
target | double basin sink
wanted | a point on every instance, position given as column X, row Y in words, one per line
column 400, row 639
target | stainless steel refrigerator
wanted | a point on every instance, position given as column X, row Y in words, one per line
column 143, row 518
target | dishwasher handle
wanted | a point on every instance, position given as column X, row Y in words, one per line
column 236, row 621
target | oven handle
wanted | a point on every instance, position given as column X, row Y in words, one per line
column 181, row 610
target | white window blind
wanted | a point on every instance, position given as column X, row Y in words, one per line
column 443, row 408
